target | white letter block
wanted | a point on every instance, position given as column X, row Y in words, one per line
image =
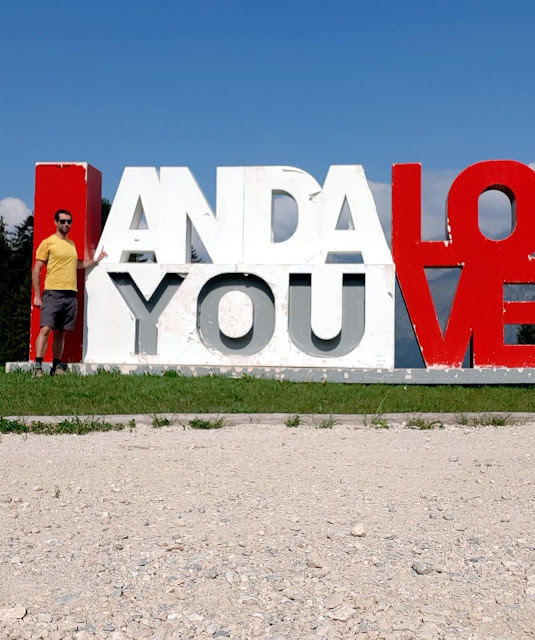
column 172, row 200
column 130, row 321
column 110, row 337
column 318, row 212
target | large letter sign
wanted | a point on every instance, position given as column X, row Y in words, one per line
column 260, row 303
column 321, row 301
column 479, row 311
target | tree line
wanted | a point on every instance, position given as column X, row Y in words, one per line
column 15, row 290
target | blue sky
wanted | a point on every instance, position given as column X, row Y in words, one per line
column 308, row 84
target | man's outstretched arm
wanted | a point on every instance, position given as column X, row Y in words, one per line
column 83, row 264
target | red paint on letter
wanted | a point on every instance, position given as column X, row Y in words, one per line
column 77, row 188
column 478, row 310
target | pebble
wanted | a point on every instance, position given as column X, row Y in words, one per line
column 343, row 613
column 211, row 574
column 422, row 568
column 314, row 561
column 13, row 613
column 358, row 530
column 44, row 617
column 195, row 617
column 334, row 601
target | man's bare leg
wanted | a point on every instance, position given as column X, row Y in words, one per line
column 42, row 342
column 58, row 344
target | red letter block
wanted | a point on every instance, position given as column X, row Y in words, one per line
column 77, row 188
column 478, row 310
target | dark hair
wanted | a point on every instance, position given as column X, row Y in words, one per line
column 67, row 213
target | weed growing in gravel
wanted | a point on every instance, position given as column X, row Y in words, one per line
column 12, row 426
column 486, row 420
column 493, row 420
column 78, row 425
column 57, row 492
column 160, row 422
column 75, row 425
column 131, row 424
column 199, row 423
column 328, row 423
column 423, row 424
column 376, row 421
column 380, row 423
column 293, row 421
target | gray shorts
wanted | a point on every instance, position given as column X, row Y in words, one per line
column 59, row 309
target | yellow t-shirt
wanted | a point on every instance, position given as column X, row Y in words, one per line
column 61, row 263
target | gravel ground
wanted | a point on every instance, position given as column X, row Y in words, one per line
column 263, row 531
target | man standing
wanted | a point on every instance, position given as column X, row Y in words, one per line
column 58, row 304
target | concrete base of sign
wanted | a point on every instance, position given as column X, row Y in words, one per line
column 355, row 376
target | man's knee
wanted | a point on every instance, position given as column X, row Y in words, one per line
column 45, row 331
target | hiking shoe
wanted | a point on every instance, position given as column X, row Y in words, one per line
column 37, row 373
column 60, row 371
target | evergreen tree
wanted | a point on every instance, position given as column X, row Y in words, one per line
column 15, row 290
column 5, row 254
column 105, row 212
column 195, row 256
column 526, row 334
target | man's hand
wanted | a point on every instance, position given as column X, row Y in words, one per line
column 37, row 301
column 84, row 264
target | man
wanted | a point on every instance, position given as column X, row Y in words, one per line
column 59, row 303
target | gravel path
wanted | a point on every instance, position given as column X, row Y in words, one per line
column 262, row 531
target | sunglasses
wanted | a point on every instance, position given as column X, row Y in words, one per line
column 64, row 221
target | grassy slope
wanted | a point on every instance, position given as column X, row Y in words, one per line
column 109, row 393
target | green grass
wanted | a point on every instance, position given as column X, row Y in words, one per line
column 113, row 393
